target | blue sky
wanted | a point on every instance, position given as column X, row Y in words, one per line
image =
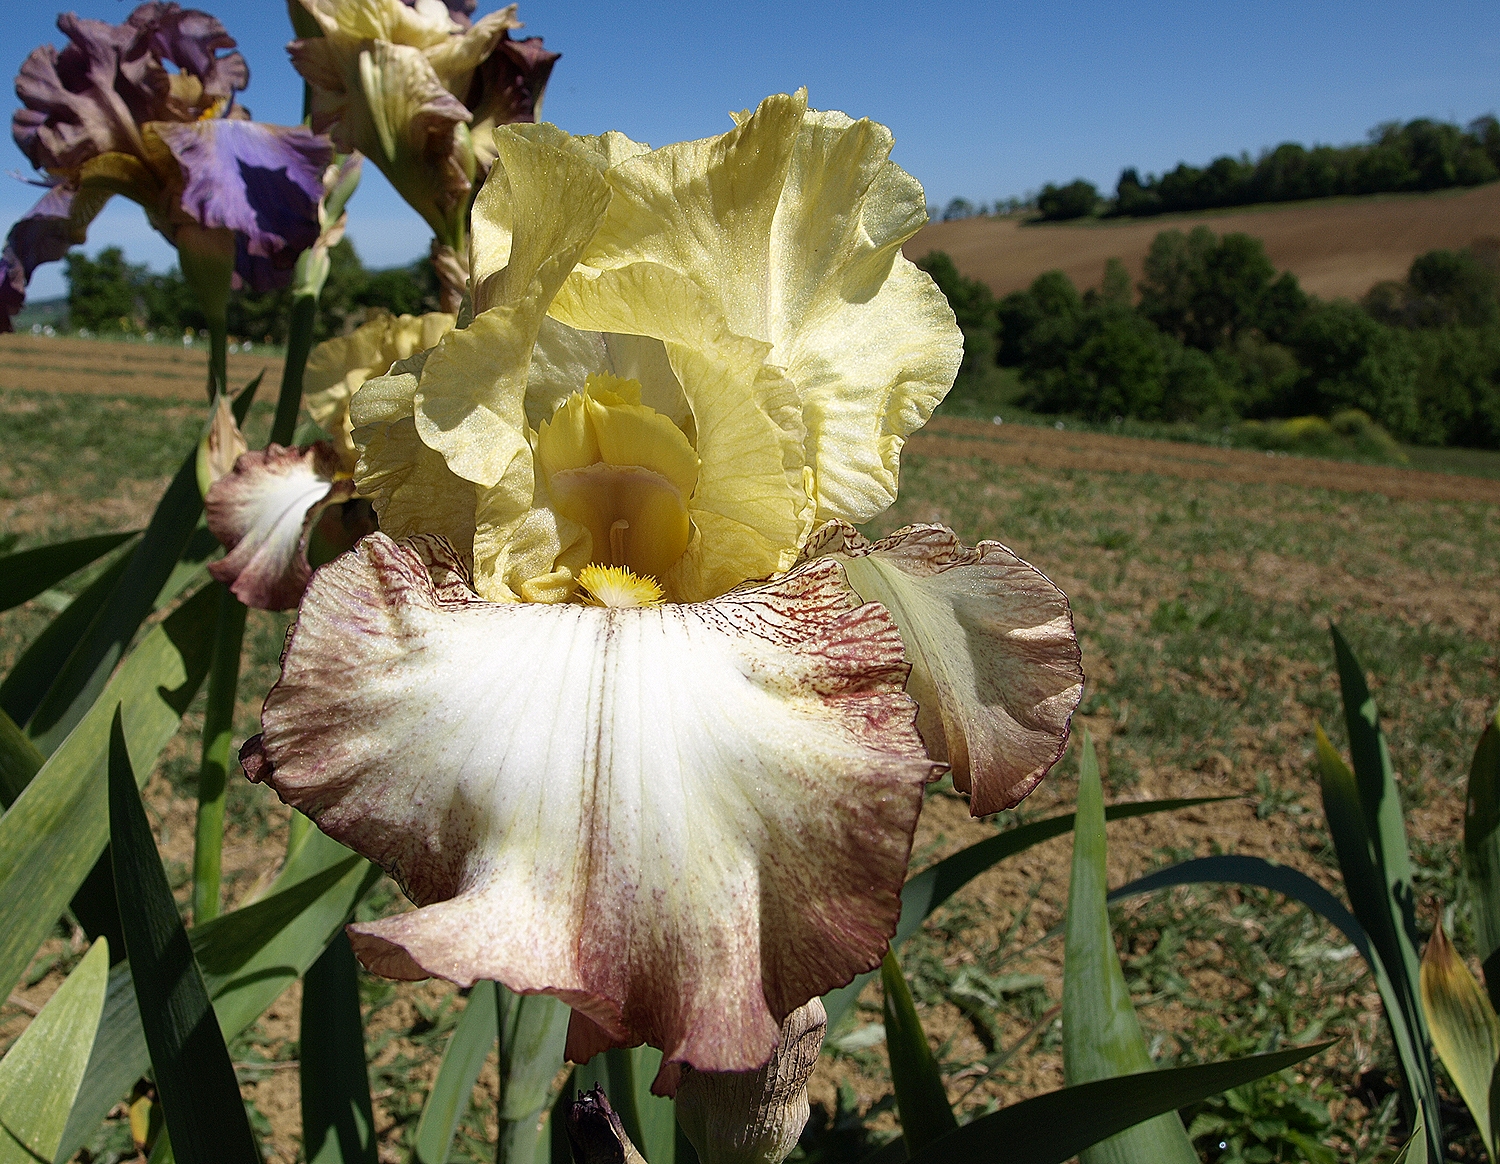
column 987, row 100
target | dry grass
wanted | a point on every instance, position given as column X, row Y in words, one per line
column 1337, row 247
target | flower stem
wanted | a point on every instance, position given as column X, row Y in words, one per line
column 218, row 727
column 218, row 356
column 299, row 342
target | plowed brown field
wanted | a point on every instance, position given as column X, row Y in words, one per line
column 165, row 370
column 1015, row 444
column 1336, row 247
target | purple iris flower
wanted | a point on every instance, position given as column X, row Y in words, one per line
column 106, row 115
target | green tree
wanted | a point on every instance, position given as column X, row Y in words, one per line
column 1350, row 360
column 973, row 306
column 1207, row 291
column 1452, row 288
column 1115, row 287
column 1075, row 200
column 105, row 294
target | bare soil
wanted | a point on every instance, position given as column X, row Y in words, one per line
column 1016, row 444
column 1337, row 247
column 166, row 370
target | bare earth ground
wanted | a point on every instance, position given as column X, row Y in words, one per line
column 166, row 370
column 1202, row 581
column 1059, row 449
column 1338, row 247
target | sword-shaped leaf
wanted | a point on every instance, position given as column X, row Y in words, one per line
column 28, row 573
column 930, row 888
column 40, row 1074
column 54, row 832
column 1101, row 1035
column 338, row 1124
column 200, row 1095
column 1482, row 851
column 921, row 1098
column 1465, row 1031
column 1055, row 1127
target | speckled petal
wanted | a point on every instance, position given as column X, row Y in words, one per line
column 996, row 670
column 683, row 820
column 264, row 512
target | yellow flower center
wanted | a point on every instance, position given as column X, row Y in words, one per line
column 617, row 587
column 623, row 471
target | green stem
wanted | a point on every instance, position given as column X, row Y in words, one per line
column 218, row 727
column 299, row 342
column 218, row 356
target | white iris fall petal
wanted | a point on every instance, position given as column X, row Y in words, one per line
column 684, row 820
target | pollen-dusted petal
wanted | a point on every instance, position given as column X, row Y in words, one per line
column 995, row 663
column 903, row 348
column 684, row 820
column 264, row 511
column 338, row 367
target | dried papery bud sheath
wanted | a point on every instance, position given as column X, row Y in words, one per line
column 755, row 1117
column 595, row 1133
column 221, row 445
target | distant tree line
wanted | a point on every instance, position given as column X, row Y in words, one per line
column 109, row 295
column 1217, row 335
column 1420, row 155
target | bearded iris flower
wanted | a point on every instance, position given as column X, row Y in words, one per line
column 106, row 115
column 419, row 87
column 617, row 694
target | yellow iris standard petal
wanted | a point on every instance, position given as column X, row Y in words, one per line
column 338, row 367
column 752, row 284
column 751, row 505
column 410, row 485
column 471, row 403
column 791, row 226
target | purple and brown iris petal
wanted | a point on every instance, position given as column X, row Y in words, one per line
column 509, row 84
column 263, row 182
column 42, row 235
column 683, row 820
column 93, row 96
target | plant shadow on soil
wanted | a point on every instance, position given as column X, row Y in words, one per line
column 1202, row 610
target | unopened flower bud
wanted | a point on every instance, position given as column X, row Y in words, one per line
column 596, row 1134
column 755, row 1117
